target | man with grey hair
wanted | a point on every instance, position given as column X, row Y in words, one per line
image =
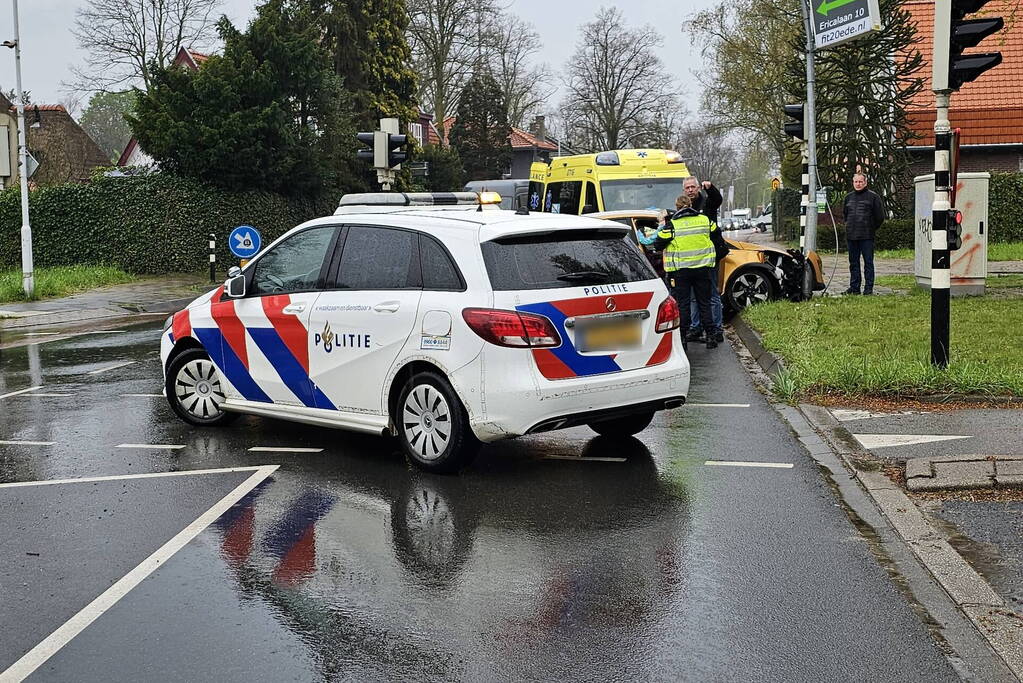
column 863, row 212
column 706, row 199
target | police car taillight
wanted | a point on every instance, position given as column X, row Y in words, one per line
column 511, row 328
column 668, row 317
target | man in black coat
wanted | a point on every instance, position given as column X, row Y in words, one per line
column 706, row 199
column 864, row 213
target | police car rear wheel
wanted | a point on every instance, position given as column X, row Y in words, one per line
column 623, row 426
column 432, row 425
column 195, row 391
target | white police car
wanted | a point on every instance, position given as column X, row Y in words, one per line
column 431, row 318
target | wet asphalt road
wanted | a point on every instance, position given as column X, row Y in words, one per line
column 345, row 564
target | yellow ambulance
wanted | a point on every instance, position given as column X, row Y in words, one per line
column 624, row 179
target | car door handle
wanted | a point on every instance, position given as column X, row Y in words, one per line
column 387, row 307
column 293, row 309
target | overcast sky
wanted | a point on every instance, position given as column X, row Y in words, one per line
column 48, row 48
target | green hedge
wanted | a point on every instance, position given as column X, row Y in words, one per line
column 143, row 224
column 1004, row 212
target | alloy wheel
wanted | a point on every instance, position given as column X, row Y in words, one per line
column 750, row 288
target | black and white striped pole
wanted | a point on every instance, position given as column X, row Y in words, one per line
column 804, row 208
column 941, row 273
column 213, row 257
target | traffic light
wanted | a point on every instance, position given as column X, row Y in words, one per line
column 365, row 139
column 396, row 152
column 795, row 128
column 964, row 34
column 954, row 226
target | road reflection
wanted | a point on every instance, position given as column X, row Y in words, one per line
column 368, row 561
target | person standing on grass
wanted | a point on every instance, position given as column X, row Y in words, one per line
column 863, row 212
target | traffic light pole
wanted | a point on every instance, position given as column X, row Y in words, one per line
column 808, row 242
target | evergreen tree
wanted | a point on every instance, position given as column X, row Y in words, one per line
column 366, row 43
column 445, row 169
column 268, row 113
column 481, row 132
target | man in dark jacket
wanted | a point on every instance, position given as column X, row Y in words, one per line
column 706, row 199
column 864, row 213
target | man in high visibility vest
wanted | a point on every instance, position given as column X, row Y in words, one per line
column 689, row 259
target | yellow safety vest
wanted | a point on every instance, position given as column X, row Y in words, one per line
column 690, row 246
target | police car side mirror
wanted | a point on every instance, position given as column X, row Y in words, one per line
column 235, row 287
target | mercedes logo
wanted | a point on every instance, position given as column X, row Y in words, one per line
column 610, row 303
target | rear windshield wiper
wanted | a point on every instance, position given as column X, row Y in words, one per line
column 584, row 275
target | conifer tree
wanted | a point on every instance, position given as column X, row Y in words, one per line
column 481, row 131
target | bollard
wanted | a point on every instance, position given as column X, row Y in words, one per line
column 213, row 258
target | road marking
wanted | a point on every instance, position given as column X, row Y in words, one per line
column 40, row 334
column 719, row 405
column 283, row 449
column 573, row 457
column 119, row 477
column 111, row 367
column 26, row 443
column 52, row 644
column 144, row 395
column 848, row 415
column 872, row 441
column 153, row 446
column 47, row 395
column 20, row 391
column 729, row 463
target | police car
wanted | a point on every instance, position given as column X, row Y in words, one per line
column 436, row 318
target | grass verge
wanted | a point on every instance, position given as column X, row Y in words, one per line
column 996, row 251
column 60, row 281
column 880, row 346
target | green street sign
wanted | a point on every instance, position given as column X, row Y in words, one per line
column 839, row 21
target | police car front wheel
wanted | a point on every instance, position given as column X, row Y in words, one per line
column 195, row 391
column 432, row 425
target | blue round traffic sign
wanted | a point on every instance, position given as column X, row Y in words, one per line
column 244, row 241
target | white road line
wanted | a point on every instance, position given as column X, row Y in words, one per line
column 872, row 441
column 26, row 443
column 40, row 334
column 111, row 367
column 284, row 449
column 572, row 457
column 47, row 395
column 152, row 446
column 144, row 395
column 119, row 477
column 719, row 405
column 729, row 463
column 20, row 391
column 52, row 644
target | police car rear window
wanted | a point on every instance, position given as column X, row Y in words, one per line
column 568, row 258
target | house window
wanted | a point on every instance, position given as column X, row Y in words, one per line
column 416, row 131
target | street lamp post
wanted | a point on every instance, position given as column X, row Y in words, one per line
column 27, row 277
column 748, row 186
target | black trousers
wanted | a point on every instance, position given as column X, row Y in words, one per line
column 694, row 282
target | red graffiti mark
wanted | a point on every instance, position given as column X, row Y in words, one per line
column 966, row 255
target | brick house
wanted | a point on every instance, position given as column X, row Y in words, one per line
column 64, row 150
column 527, row 145
column 989, row 111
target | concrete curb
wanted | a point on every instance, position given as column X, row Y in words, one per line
column 963, row 584
column 991, row 635
column 771, row 363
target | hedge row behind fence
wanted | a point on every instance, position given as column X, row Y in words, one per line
column 143, row 224
column 1005, row 207
column 893, row 234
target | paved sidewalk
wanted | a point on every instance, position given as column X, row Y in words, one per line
column 836, row 273
column 164, row 294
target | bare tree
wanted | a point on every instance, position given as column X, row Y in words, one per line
column 445, row 37
column 510, row 42
column 615, row 81
column 709, row 152
column 122, row 39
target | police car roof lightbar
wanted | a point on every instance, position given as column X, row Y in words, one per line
column 419, row 199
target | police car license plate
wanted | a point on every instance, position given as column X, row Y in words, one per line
column 609, row 336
